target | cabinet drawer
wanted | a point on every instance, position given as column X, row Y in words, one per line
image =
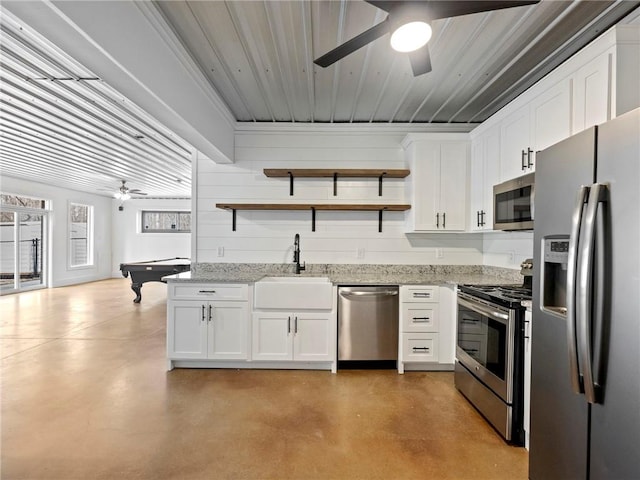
column 418, row 317
column 209, row 291
column 419, row 293
column 420, row 347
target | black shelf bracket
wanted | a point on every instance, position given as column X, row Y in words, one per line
column 335, row 184
column 233, row 221
column 313, row 219
column 290, row 183
column 380, row 184
column 380, row 215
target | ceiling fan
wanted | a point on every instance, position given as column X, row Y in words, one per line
column 408, row 23
column 124, row 192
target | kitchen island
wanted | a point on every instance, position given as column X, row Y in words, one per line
column 216, row 317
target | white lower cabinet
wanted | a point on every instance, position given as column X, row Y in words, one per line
column 207, row 322
column 297, row 336
column 420, row 347
column 201, row 330
column 426, row 328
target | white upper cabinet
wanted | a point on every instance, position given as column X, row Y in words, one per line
column 591, row 99
column 485, row 173
column 551, row 117
column 516, row 148
column 595, row 85
column 438, row 181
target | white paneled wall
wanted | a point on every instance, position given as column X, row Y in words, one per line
column 340, row 237
column 507, row 249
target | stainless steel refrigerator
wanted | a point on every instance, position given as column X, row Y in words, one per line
column 585, row 343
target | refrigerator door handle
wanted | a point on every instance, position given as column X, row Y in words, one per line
column 572, row 267
column 597, row 195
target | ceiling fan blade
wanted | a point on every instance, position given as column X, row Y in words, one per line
column 137, row 191
column 420, row 61
column 444, row 9
column 386, row 5
column 352, row 45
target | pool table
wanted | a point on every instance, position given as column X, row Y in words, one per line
column 152, row 271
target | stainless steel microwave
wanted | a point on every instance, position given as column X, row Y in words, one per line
column 513, row 204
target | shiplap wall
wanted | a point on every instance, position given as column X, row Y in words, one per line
column 507, row 249
column 267, row 236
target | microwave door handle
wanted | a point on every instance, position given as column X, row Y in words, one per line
column 597, row 194
column 532, row 201
column 572, row 266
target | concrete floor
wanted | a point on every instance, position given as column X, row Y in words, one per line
column 85, row 395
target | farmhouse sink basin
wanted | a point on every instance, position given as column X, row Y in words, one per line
column 293, row 293
column 293, row 279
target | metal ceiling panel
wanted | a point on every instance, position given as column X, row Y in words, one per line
column 61, row 123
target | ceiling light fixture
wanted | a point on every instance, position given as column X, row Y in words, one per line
column 410, row 36
column 122, row 196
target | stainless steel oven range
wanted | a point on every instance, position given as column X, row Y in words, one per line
column 489, row 367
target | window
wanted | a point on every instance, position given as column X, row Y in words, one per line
column 80, row 235
column 166, row 222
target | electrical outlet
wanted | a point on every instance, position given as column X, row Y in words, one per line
column 439, row 253
column 221, row 251
column 512, row 256
column 360, row 253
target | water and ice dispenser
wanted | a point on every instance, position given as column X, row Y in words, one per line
column 554, row 274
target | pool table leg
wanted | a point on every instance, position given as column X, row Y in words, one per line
column 136, row 287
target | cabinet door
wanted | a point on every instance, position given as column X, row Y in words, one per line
column 314, row 339
column 186, row 330
column 592, row 93
column 515, row 137
column 227, row 331
column 476, row 183
column 426, row 186
column 491, row 175
column 453, row 186
column 272, row 336
column 551, row 116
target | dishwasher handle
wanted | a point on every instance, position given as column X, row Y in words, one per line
column 380, row 293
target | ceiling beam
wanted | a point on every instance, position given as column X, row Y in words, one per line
column 130, row 47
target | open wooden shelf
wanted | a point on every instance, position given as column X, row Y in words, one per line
column 313, row 207
column 335, row 173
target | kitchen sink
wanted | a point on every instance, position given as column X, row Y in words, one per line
column 287, row 293
column 298, row 279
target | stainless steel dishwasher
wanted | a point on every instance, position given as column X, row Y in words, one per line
column 368, row 323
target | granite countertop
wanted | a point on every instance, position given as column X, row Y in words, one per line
column 353, row 274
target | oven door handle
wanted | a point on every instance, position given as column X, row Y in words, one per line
column 485, row 310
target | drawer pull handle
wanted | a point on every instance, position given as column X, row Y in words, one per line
column 207, row 291
column 421, row 294
column 471, row 350
column 470, row 322
column 421, row 349
column 421, row 319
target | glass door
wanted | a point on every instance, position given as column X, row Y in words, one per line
column 7, row 251
column 23, row 243
column 30, row 250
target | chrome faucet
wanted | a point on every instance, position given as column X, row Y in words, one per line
column 296, row 254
